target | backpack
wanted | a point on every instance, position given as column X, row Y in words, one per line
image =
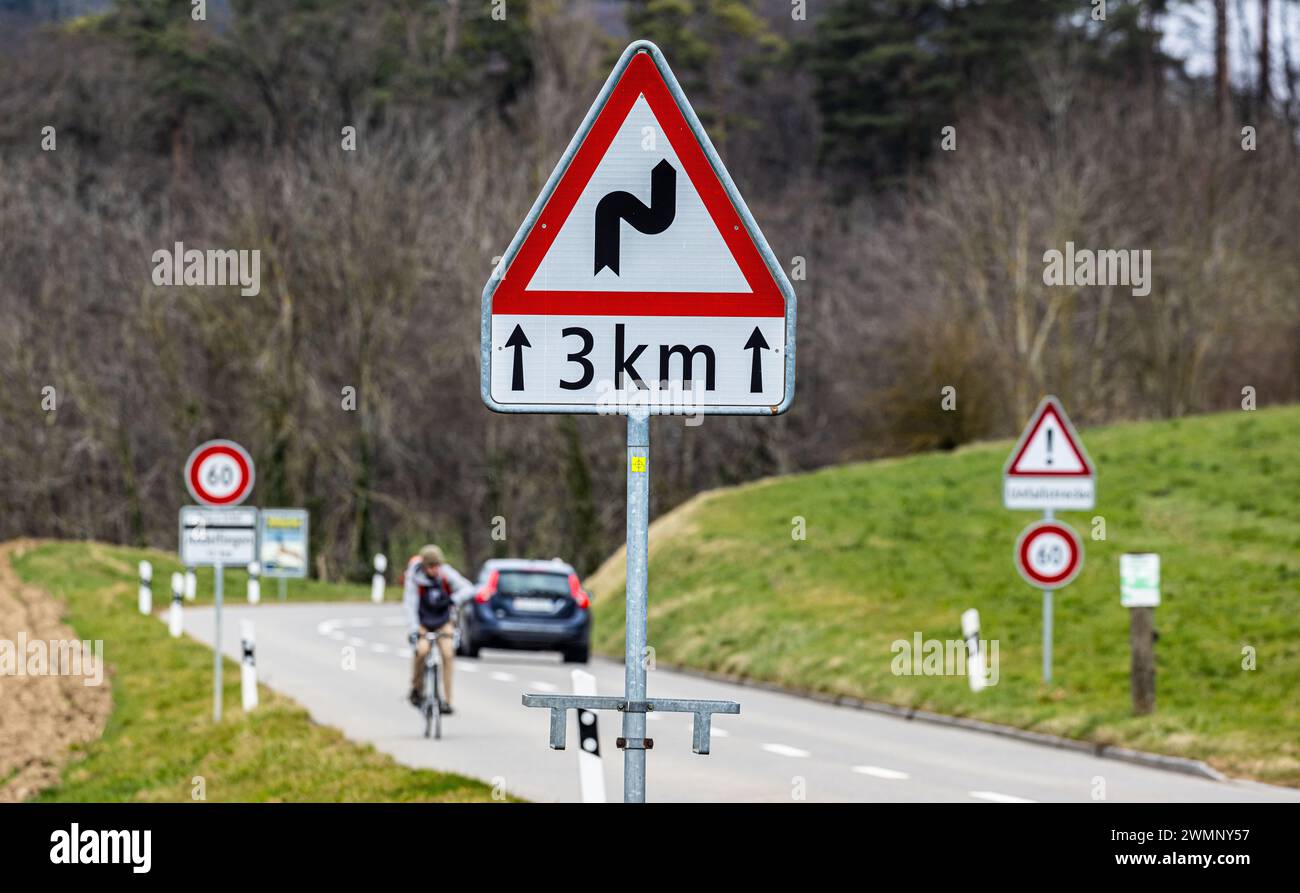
column 401, row 576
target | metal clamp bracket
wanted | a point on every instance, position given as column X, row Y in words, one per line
column 700, row 732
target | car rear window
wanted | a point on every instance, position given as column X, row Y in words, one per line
column 533, row 582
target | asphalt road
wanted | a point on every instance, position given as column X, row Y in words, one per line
column 780, row 748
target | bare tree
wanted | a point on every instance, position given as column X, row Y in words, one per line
column 1265, row 66
column 1221, row 57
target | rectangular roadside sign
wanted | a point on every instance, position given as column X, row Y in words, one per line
column 217, row 536
column 283, row 543
column 1139, row 580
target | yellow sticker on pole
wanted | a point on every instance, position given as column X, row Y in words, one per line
column 638, row 464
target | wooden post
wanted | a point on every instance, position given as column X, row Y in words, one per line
column 1143, row 671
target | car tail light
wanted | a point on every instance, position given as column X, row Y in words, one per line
column 488, row 589
column 575, row 590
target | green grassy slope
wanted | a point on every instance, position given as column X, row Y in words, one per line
column 901, row 546
column 160, row 735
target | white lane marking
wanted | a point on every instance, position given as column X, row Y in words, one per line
column 325, row 627
column 786, row 750
column 880, row 772
column 995, row 797
column 541, row 686
column 501, row 677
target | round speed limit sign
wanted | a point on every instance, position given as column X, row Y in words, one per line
column 1049, row 554
column 219, row 472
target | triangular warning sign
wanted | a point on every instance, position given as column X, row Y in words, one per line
column 639, row 280
column 640, row 221
column 1049, row 446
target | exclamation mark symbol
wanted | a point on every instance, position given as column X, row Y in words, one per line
column 1049, row 446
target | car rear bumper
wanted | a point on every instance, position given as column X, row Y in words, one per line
column 490, row 631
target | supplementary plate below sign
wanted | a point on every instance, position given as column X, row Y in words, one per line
column 217, row 536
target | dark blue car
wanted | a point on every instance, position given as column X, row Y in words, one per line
column 529, row 605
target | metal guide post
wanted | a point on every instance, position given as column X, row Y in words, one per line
column 216, row 649
column 634, row 705
column 638, row 521
column 1048, row 515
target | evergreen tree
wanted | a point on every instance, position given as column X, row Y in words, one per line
column 890, row 74
column 716, row 48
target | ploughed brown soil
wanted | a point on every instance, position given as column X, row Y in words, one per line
column 41, row 717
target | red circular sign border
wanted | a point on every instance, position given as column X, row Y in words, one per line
column 228, row 447
column 1027, row 537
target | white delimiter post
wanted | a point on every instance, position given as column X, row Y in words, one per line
column 377, row 581
column 591, row 774
column 970, row 631
column 254, row 582
column 248, row 665
column 146, row 587
column 634, row 668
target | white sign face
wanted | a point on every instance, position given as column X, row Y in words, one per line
column 1049, row 468
column 1139, row 580
column 284, row 543
column 639, row 278
column 219, row 473
column 1049, row 554
column 217, row 536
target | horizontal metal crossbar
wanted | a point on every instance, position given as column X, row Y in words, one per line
column 701, row 729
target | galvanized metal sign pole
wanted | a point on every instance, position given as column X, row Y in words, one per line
column 1048, row 515
column 216, row 645
column 606, row 304
column 634, row 653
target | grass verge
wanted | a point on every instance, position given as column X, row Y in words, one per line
column 160, row 743
column 900, row 547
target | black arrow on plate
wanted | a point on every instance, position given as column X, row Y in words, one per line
column 518, row 340
column 653, row 219
column 756, row 343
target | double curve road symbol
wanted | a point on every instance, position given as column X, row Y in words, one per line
column 651, row 220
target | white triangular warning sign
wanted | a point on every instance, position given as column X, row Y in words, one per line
column 639, row 272
column 1049, row 468
column 1049, row 446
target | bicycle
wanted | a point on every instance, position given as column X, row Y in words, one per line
column 431, row 706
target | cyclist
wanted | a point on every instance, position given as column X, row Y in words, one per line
column 431, row 589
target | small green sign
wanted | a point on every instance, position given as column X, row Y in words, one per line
column 1139, row 580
